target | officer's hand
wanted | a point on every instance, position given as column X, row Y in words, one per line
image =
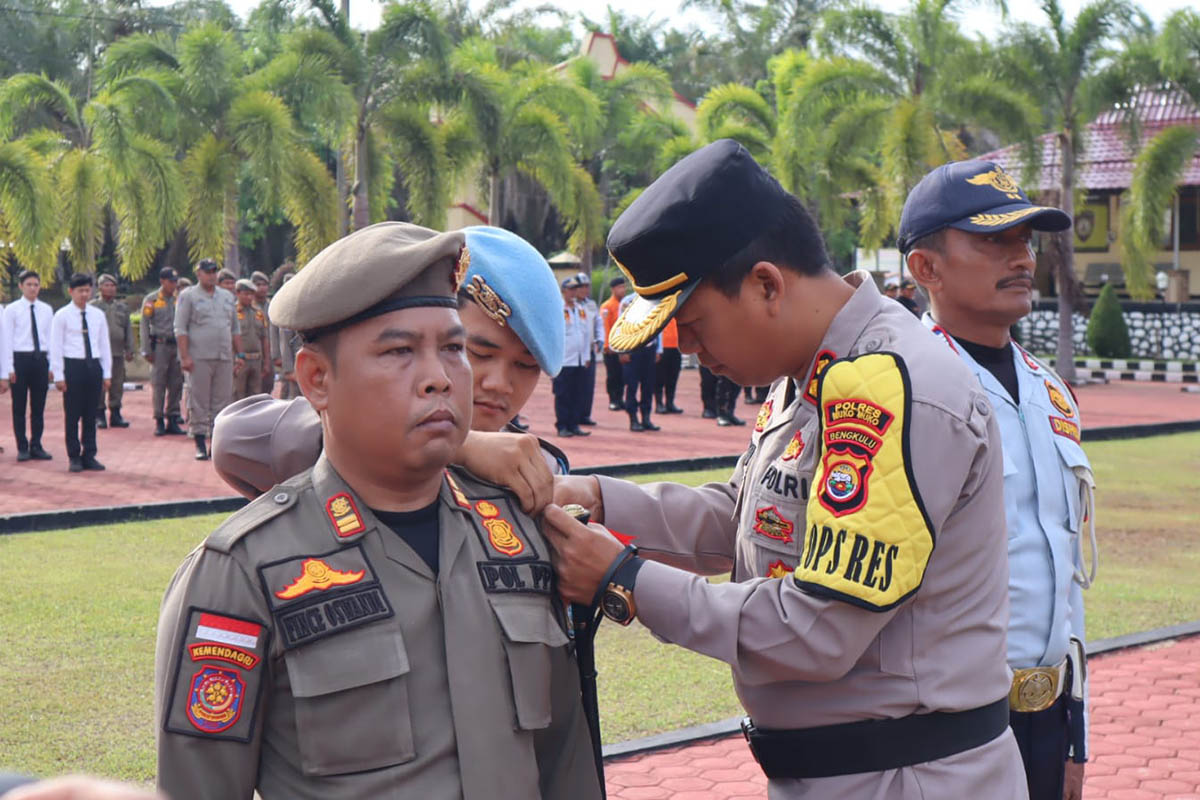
column 581, row 489
column 186, row 364
column 149, row 358
column 107, row 384
column 513, row 460
column 237, row 366
column 582, row 554
column 1073, row 785
column 80, row 788
column 60, row 385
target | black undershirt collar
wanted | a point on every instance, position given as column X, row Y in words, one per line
column 996, row 360
column 418, row 529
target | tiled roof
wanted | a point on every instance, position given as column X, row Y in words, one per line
column 1106, row 160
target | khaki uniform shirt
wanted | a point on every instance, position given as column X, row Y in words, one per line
column 120, row 329
column 209, row 321
column 839, row 610
column 306, row 651
column 158, row 318
column 253, row 325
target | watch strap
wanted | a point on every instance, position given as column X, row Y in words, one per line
column 629, row 552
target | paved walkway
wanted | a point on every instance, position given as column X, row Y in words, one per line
column 1145, row 739
column 143, row 468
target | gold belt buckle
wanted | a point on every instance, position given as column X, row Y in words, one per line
column 1034, row 689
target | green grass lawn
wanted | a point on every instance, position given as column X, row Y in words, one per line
column 78, row 612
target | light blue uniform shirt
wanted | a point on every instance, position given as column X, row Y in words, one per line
column 1045, row 504
column 578, row 349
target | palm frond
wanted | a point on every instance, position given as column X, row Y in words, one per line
column 136, row 53
column 410, row 31
column 311, row 88
column 261, row 130
column 209, row 63
column 674, row 149
column 585, row 218
column 734, row 103
column 27, row 210
column 867, row 32
column 147, row 200
column 310, row 203
column 419, row 155
column 81, row 184
column 25, row 92
column 210, row 175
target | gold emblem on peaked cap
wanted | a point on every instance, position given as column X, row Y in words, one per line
column 628, row 335
column 460, row 269
column 994, row 220
column 488, row 300
column 999, row 180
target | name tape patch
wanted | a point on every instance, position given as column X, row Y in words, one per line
column 523, row 577
column 326, row 617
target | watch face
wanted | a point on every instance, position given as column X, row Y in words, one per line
column 615, row 607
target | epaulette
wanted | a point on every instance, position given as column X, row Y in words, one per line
column 260, row 511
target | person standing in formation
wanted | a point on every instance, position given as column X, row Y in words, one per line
column 614, row 382
column 591, row 315
column 81, row 363
column 638, row 365
column 120, row 334
column 256, row 353
column 160, row 349
column 206, row 327
column 670, row 363
column 569, row 384
column 26, row 362
column 262, row 285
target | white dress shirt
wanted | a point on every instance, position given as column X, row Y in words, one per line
column 66, row 338
column 18, row 333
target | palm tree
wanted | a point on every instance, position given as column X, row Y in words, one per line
column 1067, row 63
column 28, row 225
column 105, row 158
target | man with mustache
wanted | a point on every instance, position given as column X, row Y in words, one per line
column 966, row 231
column 510, row 305
column 382, row 624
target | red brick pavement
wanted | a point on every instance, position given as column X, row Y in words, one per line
column 142, row 468
column 1145, row 739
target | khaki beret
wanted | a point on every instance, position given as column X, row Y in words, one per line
column 226, row 275
column 381, row 268
column 106, row 278
column 244, row 285
column 259, row 277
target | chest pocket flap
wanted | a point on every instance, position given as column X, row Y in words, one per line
column 530, row 630
column 351, row 700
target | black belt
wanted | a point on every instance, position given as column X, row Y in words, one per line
column 874, row 745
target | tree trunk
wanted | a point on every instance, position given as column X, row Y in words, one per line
column 343, row 212
column 494, row 217
column 362, row 208
column 1065, row 363
column 233, row 228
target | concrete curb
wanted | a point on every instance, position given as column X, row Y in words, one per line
column 731, row 726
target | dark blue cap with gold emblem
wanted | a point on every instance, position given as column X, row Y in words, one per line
column 972, row 196
column 697, row 215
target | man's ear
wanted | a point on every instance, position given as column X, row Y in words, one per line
column 767, row 283
column 923, row 267
column 313, row 373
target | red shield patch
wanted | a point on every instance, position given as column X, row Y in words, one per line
column 215, row 700
column 844, row 487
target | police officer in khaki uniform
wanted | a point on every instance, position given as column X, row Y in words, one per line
column 378, row 625
column 255, row 357
column 206, row 327
column 160, row 349
column 262, row 285
column 865, row 623
column 120, row 333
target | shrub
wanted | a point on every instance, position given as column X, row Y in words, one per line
column 1107, row 334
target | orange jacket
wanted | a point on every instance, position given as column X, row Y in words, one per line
column 670, row 335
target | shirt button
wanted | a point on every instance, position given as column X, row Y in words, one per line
column 983, row 406
column 281, row 498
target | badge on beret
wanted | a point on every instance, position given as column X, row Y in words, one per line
column 460, row 269
column 488, row 300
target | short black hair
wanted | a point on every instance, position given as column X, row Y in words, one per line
column 935, row 241
column 80, row 279
column 794, row 242
column 26, row 274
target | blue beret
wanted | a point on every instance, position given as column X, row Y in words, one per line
column 513, row 284
column 973, row 196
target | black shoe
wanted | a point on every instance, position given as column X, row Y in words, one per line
column 101, row 423
column 92, row 465
column 709, row 414
column 636, row 426
column 37, row 453
column 588, row 421
column 160, row 428
column 577, row 431
column 565, row 432
column 725, row 420
column 616, row 407
column 75, row 466
column 650, row 426
column 173, row 429
column 116, row 420
column 674, row 409
column 23, row 455
column 661, row 409
column 201, row 450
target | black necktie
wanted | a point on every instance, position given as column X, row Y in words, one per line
column 87, row 340
column 37, row 345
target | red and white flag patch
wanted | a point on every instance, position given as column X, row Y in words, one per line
column 235, row 632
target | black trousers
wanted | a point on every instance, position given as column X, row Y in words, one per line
column 1042, row 738
column 568, row 388
column 667, row 376
column 85, row 381
column 33, row 379
column 589, row 391
column 717, row 393
column 614, row 378
column 639, row 374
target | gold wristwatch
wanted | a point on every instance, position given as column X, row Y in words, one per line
column 617, row 604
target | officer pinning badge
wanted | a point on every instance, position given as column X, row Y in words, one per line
column 794, row 447
column 500, row 531
column 778, row 569
column 216, row 699
column 343, row 513
column 317, row 576
column 999, row 180
column 1059, row 400
column 764, row 416
column 770, row 523
column 457, row 493
column 488, row 300
column 823, row 360
column 1065, row 428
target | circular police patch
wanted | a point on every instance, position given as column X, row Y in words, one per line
column 842, row 482
column 215, row 701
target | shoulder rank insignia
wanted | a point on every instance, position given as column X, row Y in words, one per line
column 500, row 531
column 456, row 491
column 488, row 300
column 764, row 416
column 795, row 447
column 215, row 702
column 344, row 515
column 770, row 523
column 823, row 360
column 778, row 569
column 1065, row 428
column 999, row 180
column 317, row 576
column 1058, row 400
